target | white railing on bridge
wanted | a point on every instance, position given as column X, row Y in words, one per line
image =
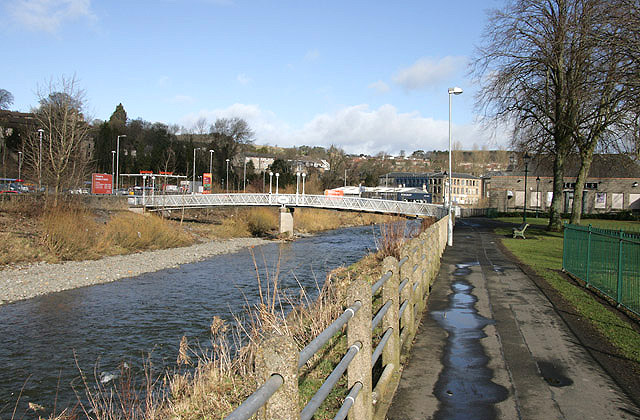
column 157, row 202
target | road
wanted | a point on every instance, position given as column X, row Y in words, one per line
column 492, row 346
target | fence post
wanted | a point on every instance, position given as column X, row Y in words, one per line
column 359, row 330
column 408, row 318
column 278, row 354
column 391, row 353
column 588, row 254
column 619, row 291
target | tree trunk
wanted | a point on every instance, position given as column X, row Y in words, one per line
column 578, row 192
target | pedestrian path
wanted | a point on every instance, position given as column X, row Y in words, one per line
column 491, row 346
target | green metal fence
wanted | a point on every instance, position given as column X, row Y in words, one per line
column 607, row 260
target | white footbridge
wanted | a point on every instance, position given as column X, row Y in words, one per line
column 370, row 205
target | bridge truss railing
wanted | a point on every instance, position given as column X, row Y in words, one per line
column 155, row 202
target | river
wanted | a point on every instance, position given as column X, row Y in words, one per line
column 125, row 321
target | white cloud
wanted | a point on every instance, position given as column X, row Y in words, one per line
column 183, row 99
column 163, row 81
column 379, row 87
column 312, row 55
column 243, row 79
column 48, row 15
column 356, row 129
column 427, row 72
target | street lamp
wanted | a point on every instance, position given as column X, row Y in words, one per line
column 452, row 91
column 211, row 166
column 270, row 180
column 304, row 175
column 526, row 159
column 297, row 183
column 277, row 177
column 537, row 195
column 244, row 176
column 113, row 165
column 193, row 182
column 40, row 131
column 118, row 159
column 19, row 165
column 227, row 160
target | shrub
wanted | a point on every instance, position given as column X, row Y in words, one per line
column 261, row 221
column 70, row 233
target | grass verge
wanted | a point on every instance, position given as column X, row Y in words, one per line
column 542, row 252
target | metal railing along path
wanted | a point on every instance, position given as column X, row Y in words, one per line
column 606, row 260
column 179, row 201
column 278, row 396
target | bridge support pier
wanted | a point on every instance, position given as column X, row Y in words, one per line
column 286, row 221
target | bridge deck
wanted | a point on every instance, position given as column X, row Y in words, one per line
column 157, row 202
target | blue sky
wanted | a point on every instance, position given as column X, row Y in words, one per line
column 368, row 76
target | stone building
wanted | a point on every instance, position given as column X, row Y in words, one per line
column 466, row 189
column 612, row 185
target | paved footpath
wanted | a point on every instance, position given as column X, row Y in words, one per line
column 491, row 346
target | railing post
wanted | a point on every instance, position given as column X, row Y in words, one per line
column 620, row 260
column 417, row 276
column 278, row 354
column 408, row 318
column 588, row 254
column 391, row 353
column 359, row 330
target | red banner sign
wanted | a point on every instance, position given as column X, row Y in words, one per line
column 101, row 184
column 206, row 182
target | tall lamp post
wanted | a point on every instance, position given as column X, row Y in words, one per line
column 19, row 165
column 193, row 182
column 118, row 160
column 304, row 175
column 526, row 159
column 244, row 176
column 113, row 166
column 537, row 195
column 227, row 160
column 452, row 91
column 40, row 131
column 211, row 167
column 277, row 177
column 270, row 181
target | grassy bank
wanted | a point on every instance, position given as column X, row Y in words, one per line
column 542, row 251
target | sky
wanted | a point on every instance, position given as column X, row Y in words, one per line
column 366, row 76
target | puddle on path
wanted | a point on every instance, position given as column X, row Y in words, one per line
column 464, row 388
column 554, row 374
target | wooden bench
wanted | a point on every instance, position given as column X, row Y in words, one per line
column 519, row 231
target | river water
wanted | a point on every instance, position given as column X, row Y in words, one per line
column 125, row 321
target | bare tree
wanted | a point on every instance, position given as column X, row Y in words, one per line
column 550, row 69
column 6, row 99
column 65, row 154
column 200, row 126
column 230, row 137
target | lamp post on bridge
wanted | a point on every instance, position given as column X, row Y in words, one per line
column 211, row 168
column 277, row 177
column 304, row 175
column 297, row 185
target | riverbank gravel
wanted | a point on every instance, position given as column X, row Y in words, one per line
column 25, row 282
